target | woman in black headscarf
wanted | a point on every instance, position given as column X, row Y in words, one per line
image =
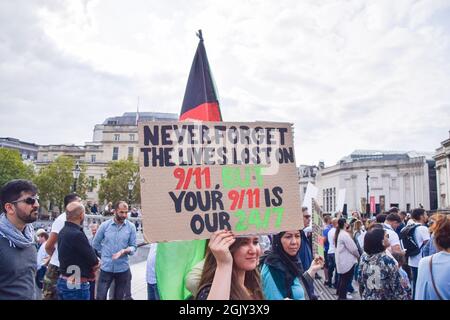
column 282, row 273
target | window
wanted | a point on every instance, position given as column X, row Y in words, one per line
column 117, row 137
column 55, row 156
column 132, row 137
column 130, row 152
column 45, row 157
column 304, row 190
column 91, row 184
column 93, row 158
column 115, row 153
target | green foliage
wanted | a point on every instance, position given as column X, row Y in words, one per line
column 12, row 167
column 55, row 181
column 114, row 186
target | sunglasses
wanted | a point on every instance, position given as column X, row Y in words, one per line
column 29, row 200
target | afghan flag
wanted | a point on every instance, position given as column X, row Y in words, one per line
column 174, row 260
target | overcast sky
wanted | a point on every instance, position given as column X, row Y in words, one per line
column 349, row 74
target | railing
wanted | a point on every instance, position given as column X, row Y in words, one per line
column 99, row 219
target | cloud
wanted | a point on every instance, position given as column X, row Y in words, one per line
column 349, row 74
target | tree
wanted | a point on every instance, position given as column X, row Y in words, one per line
column 114, row 186
column 55, row 181
column 12, row 167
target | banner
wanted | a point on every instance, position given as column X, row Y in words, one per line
column 200, row 177
column 318, row 241
column 311, row 192
column 372, row 204
column 340, row 200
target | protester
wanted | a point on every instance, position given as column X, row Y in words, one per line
column 94, row 209
column 230, row 269
column 380, row 218
column 346, row 257
column 42, row 259
column 282, row 273
column 305, row 252
column 358, row 235
column 399, row 256
column 402, row 215
column 414, row 237
column 192, row 279
column 379, row 278
column 92, row 284
column 77, row 258
column 40, row 239
column 429, row 248
column 152, row 286
column 331, row 255
column 115, row 240
column 19, row 203
column 108, row 210
column 356, row 215
column 327, row 227
column 433, row 279
column 51, row 247
column 390, row 225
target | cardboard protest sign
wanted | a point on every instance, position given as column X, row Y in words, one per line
column 340, row 200
column 318, row 241
column 200, row 177
column 311, row 192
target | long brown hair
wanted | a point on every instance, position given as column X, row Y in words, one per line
column 252, row 280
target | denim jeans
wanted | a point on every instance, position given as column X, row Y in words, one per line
column 332, row 270
column 80, row 292
column 152, row 291
column 105, row 280
column 414, row 272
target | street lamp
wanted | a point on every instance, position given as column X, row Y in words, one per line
column 367, row 194
column 130, row 188
column 76, row 174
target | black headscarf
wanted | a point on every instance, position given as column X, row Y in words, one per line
column 281, row 260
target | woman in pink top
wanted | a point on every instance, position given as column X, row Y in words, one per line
column 347, row 256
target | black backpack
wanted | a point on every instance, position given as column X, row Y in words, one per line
column 409, row 241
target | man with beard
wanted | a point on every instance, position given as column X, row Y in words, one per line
column 115, row 240
column 18, row 254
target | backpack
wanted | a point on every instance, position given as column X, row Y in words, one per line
column 408, row 240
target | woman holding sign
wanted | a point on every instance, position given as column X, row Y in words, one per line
column 230, row 269
column 282, row 272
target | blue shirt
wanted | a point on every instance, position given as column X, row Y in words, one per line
column 441, row 275
column 271, row 291
column 305, row 251
column 110, row 239
column 325, row 234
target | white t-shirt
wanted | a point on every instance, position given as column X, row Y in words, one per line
column 421, row 234
column 331, row 233
column 361, row 239
column 41, row 255
column 393, row 236
column 57, row 225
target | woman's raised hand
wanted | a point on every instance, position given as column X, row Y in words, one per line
column 219, row 245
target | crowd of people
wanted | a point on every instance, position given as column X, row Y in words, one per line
column 396, row 256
